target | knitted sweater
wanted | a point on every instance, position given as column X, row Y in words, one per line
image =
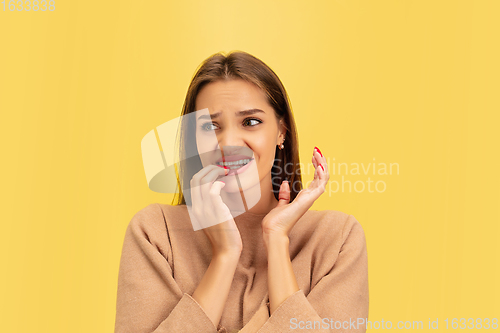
column 163, row 261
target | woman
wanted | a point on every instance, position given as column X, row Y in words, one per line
column 263, row 261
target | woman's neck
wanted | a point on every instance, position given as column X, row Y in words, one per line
column 258, row 199
column 265, row 204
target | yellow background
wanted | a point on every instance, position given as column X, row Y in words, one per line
column 408, row 82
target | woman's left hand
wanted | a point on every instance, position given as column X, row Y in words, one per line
column 281, row 219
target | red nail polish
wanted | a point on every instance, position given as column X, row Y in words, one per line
column 226, row 167
column 319, row 151
column 322, row 167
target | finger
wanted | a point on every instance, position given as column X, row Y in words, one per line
column 320, row 161
column 324, row 167
column 321, row 172
column 284, row 195
column 322, row 158
column 317, row 156
column 323, row 175
column 327, row 171
column 221, row 211
column 197, row 181
column 209, row 178
column 317, row 165
column 314, row 162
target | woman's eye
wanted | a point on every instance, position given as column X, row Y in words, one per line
column 211, row 126
column 207, row 126
column 253, row 119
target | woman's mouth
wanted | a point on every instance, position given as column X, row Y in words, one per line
column 235, row 164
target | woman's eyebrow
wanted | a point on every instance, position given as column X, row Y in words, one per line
column 239, row 113
column 249, row 112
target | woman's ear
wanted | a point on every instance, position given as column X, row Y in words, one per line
column 282, row 132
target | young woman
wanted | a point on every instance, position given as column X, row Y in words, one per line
column 260, row 259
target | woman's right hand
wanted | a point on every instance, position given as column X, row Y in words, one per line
column 209, row 209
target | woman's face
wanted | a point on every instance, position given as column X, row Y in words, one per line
column 245, row 127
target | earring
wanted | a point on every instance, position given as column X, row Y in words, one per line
column 282, row 145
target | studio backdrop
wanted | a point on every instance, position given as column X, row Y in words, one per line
column 401, row 97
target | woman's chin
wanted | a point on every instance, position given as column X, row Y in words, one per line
column 232, row 185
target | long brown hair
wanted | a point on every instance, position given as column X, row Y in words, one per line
column 241, row 65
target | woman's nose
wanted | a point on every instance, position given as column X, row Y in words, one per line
column 230, row 137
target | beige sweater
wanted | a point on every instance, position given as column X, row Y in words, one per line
column 163, row 261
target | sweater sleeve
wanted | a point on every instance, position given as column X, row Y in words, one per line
column 149, row 299
column 339, row 301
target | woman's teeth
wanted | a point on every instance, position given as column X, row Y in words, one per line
column 234, row 164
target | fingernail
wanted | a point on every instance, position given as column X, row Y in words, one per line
column 319, row 151
column 222, row 182
column 322, row 167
